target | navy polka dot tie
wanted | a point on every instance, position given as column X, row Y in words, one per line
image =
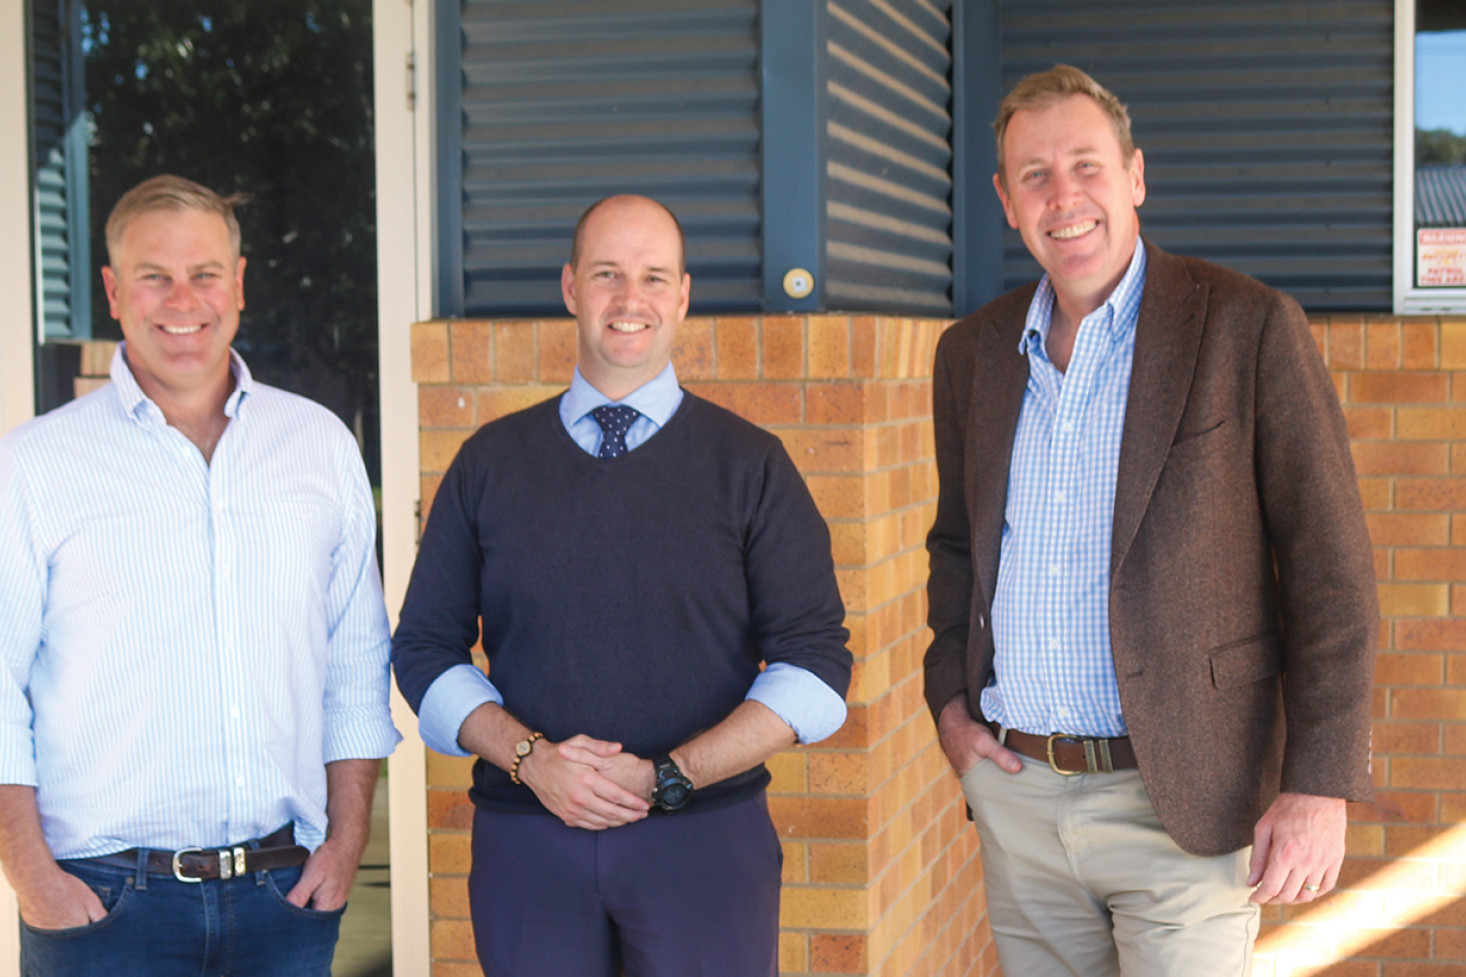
column 615, row 420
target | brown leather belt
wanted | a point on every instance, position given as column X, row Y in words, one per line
column 277, row 850
column 1070, row 755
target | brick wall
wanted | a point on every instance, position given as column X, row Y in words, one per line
column 881, row 868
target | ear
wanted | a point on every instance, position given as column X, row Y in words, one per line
column 1007, row 203
column 239, row 283
column 686, row 296
column 1137, row 178
column 109, row 285
column 567, row 288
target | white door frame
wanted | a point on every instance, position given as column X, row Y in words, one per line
column 402, row 60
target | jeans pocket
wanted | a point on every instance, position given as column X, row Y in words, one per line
column 281, row 881
column 113, row 889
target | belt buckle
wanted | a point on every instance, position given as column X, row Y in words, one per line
column 1096, row 755
column 178, row 864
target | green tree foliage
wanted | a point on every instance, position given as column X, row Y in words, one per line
column 1439, row 147
column 272, row 98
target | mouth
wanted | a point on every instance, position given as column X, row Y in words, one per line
column 1071, row 231
column 622, row 325
column 182, row 330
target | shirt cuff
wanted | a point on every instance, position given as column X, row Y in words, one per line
column 800, row 698
column 447, row 703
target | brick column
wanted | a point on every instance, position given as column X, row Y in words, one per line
column 880, row 866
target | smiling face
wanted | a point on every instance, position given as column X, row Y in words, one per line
column 177, row 288
column 1068, row 189
column 628, row 293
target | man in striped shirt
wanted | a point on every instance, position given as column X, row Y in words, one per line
column 193, row 699
column 1147, row 520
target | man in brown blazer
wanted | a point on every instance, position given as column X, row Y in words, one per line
column 1152, row 593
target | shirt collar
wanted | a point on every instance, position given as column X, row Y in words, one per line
column 1117, row 314
column 136, row 403
column 657, row 399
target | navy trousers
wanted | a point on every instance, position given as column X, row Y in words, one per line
column 687, row 894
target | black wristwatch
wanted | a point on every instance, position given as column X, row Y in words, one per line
column 673, row 789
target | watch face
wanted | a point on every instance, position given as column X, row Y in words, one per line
column 672, row 795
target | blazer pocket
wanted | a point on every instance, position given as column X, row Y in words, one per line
column 1199, row 442
column 1247, row 661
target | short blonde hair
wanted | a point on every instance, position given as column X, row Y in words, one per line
column 1044, row 88
column 167, row 192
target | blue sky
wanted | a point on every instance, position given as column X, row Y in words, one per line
column 1440, row 80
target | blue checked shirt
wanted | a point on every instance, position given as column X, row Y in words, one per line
column 1054, row 671
column 185, row 645
column 796, row 695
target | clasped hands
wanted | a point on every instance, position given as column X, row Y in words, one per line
column 589, row 783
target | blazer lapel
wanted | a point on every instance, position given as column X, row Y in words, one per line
column 1167, row 340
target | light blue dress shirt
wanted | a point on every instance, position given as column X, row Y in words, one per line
column 1053, row 669
column 796, row 695
column 185, row 645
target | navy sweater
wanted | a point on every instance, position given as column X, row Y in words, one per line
column 630, row 599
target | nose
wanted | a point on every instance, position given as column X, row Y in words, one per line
column 1063, row 191
column 181, row 295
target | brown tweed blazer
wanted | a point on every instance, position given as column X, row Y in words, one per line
column 1243, row 611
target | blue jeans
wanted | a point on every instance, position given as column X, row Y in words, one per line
column 157, row 926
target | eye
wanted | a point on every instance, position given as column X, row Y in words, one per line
column 1034, row 176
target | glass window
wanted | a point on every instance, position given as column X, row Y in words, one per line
column 1430, row 156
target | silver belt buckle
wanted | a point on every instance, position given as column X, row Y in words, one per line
column 178, row 864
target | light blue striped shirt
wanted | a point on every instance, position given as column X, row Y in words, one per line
column 796, row 695
column 1054, row 671
column 186, row 644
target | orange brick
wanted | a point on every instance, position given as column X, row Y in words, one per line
column 1439, row 704
column 864, row 334
column 437, row 449
column 692, row 350
column 448, row 896
column 449, row 808
column 449, row 852
column 514, row 354
column 1397, row 458
column 1458, row 600
column 1397, row 737
column 1414, row 600
column 1375, row 493
column 1372, row 423
column 1418, row 345
column 1408, row 528
column 448, row 968
column 1382, row 345
column 1453, row 739
column 1432, row 773
column 1433, row 494
column 558, row 349
column 835, row 403
column 1426, row 423
column 783, row 347
column 1346, row 346
column 472, row 351
column 839, row 862
column 829, row 346
column 1453, row 344
column 837, row 773
column 1430, row 564
column 837, row 953
column 1404, row 806
column 796, row 862
column 452, row 939
column 819, row 817
column 430, row 352
column 427, row 491
column 445, row 406
column 449, row 771
column 823, row 449
column 736, row 342
column 1391, row 387
column 1395, row 668
column 497, row 402
column 768, row 404
column 793, row 953
column 807, row 907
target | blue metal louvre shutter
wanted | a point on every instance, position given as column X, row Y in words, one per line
column 1266, row 128
column 889, row 156
column 563, row 102
column 58, row 141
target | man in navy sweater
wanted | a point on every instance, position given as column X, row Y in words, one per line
column 660, row 615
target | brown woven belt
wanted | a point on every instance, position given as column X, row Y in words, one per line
column 277, row 850
column 1070, row 755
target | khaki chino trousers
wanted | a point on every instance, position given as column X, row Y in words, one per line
column 1082, row 881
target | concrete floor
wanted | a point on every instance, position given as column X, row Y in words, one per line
column 365, row 947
